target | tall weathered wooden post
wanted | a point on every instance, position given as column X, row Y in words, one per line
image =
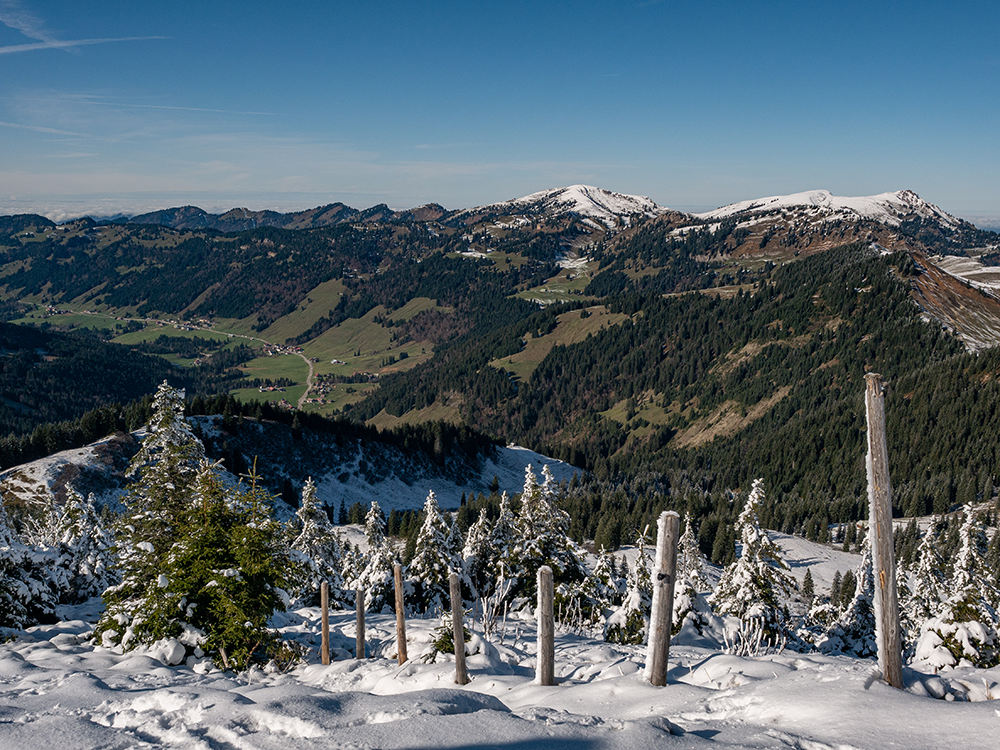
column 400, row 614
column 359, row 638
column 324, row 603
column 664, row 577
column 545, row 672
column 890, row 657
column 458, row 629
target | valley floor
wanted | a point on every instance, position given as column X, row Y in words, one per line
column 58, row 690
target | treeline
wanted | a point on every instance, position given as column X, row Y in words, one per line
column 438, row 441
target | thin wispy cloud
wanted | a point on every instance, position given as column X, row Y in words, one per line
column 39, row 129
column 14, row 15
column 69, row 43
column 182, row 109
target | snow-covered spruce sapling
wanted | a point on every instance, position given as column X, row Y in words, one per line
column 376, row 576
column 751, row 587
column 227, row 570
column 430, row 567
column 316, row 552
column 86, row 549
column 691, row 607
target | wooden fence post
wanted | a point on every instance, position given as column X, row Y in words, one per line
column 359, row 639
column 400, row 614
column 545, row 670
column 324, row 603
column 890, row 658
column 664, row 577
column 458, row 629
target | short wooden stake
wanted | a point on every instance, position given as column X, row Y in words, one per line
column 400, row 615
column 887, row 637
column 662, row 615
column 458, row 629
column 324, row 603
column 359, row 640
column 545, row 671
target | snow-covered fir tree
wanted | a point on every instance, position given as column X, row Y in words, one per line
column 86, row 549
column 15, row 595
column 432, row 561
column 541, row 537
column 923, row 599
column 376, row 577
column 479, row 555
column 503, row 536
column 966, row 628
column 164, row 471
column 691, row 609
column 630, row 622
column 751, row 587
column 316, row 551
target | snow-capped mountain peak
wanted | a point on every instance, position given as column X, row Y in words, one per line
column 887, row 208
column 605, row 206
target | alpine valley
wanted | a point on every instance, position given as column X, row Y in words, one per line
column 660, row 355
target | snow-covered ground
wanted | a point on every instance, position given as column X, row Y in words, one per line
column 59, row 691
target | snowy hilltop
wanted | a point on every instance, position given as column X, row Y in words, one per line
column 888, row 208
column 609, row 208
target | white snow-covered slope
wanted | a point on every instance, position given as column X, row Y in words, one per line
column 609, row 208
column 888, row 208
column 403, row 482
column 59, row 691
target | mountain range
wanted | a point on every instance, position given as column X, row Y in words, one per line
column 597, row 327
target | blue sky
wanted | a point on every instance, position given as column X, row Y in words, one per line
column 112, row 106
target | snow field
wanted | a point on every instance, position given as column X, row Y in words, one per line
column 59, row 690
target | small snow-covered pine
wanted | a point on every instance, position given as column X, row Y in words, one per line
column 541, row 537
column 601, row 590
column 316, row 550
column 432, row 561
column 853, row 631
column 376, row 578
column 86, row 549
column 478, row 555
column 751, row 587
column 691, row 609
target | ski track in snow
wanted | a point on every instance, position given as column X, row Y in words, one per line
column 58, row 691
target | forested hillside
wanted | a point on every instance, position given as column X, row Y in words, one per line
column 767, row 383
